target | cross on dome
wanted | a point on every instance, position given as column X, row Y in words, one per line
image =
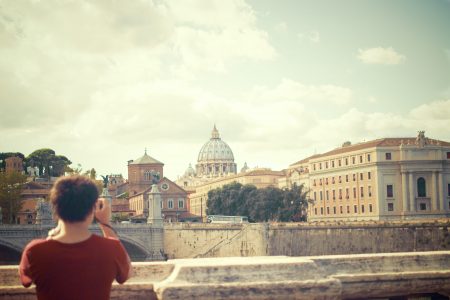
column 215, row 133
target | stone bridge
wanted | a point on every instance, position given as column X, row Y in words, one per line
column 143, row 242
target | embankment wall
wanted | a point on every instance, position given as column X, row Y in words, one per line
column 303, row 239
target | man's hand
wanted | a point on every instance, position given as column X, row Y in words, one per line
column 102, row 211
column 55, row 231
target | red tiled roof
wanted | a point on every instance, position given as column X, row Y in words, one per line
column 264, row 172
column 305, row 160
column 384, row 142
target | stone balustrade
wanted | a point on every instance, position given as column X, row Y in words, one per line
column 361, row 276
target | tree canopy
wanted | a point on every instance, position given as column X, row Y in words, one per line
column 259, row 205
column 11, row 184
column 48, row 162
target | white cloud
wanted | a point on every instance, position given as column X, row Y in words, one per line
column 312, row 36
column 357, row 126
column 291, row 90
column 281, row 27
column 438, row 110
column 372, row 99
column 381, row 56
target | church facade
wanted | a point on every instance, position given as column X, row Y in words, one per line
column 142, row 174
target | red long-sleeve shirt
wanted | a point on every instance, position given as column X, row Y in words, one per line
column 83, row 270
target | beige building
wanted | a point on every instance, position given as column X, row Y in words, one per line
column 259, row 177
column 390, row 178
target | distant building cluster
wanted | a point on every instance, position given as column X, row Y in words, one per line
column 383, row 179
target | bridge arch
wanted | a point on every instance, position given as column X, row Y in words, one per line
column 135, row 250
column 9, row 253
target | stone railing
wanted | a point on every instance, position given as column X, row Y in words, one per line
column 362, row 276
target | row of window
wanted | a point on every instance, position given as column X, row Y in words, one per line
column 421, row 188
column 338, row 179
column 332, row 193
column 354, row 160
column 170, row 202
column 339, row 162
column 341, row 210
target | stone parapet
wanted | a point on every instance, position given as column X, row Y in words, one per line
column 316, row 277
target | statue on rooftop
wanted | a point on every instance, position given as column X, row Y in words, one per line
column 421, row 140
column 105, row 180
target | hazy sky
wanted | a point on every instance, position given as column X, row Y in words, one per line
column 98, row 81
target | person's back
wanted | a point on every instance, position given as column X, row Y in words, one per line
column 75, row 264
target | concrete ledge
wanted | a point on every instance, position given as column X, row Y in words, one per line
column 319, row 277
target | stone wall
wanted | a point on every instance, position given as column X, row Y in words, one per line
column 192, row 240
column 299, row 239
column 419, row 275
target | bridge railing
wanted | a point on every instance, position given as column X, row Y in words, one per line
column 321, row 277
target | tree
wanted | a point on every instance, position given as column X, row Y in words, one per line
column 294, row 205
column 11, row 184
column 48, row 162
column 92, row 174
column 74, row 170
column 59, row 165
column 260, row 205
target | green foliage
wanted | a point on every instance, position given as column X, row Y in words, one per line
column 74, row 170
column 260, row 205
column 92, row 174
column 11, row 185
column 48, row 162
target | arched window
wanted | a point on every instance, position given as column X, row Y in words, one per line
column 421, row 187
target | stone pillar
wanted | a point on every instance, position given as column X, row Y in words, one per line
column 434, row 192
column 441, row 192
column 412, row 196
column 405, row 192
column 105, row 194
column 154, row 211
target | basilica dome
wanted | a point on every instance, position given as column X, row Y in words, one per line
column 189, row 171
column 215, row 157
column 215, row 149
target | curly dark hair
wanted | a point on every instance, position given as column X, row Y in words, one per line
column 73, row 198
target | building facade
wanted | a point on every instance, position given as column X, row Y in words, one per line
column 142, row 173
column 14, row 164
column 389, row 178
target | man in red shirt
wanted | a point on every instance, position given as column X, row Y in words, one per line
column 73, row 263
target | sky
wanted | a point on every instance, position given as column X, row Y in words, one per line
column 100, row 81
